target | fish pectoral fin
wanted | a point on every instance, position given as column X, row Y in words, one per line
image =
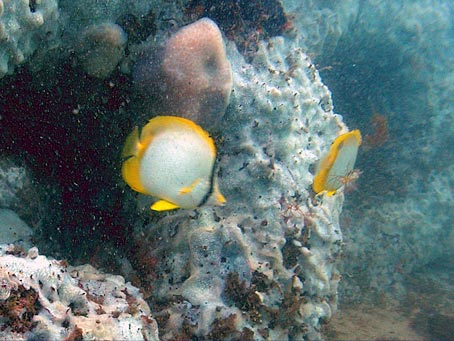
column 163, row 205
column 190, row 188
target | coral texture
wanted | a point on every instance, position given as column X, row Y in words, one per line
column 41, row 31
column 42, row 298
column 24, row 28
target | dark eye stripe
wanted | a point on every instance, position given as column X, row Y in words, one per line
column 211, row 189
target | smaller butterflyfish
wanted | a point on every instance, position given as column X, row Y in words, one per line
column 336, row 169
column 172, row 159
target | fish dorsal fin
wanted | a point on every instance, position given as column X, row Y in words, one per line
column 163, row 205
column 160, row 123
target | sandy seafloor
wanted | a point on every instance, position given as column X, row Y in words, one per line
column 426, row 313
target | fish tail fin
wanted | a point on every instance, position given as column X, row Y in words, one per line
column 218, row 197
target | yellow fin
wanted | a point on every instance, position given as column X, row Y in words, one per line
column 320, row 179
column 354, row 135
column 130, row 174
column 130, row 167
column 219, row 198
column 163, row 205
column 160, row 123
column 190, row 188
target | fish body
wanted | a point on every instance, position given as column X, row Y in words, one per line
column 173, row 159
column 337, row 167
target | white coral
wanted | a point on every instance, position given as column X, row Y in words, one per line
column 24, row 28
column 74, row 296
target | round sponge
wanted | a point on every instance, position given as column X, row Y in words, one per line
column 190, row 76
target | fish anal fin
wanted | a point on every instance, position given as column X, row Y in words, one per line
column 163, row 205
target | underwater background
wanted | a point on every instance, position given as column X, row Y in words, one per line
column 274, row 83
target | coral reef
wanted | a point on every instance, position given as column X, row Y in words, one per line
column 42, row 298
column 190, row 76
column 263, row 266
column 273, row 245
column 37, row 32
column 139, row 19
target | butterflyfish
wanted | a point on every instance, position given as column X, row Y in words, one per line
column 337, row 167
column 172, row 159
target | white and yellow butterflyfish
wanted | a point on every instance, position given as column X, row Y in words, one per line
column 337, row 167
column 172, row 159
